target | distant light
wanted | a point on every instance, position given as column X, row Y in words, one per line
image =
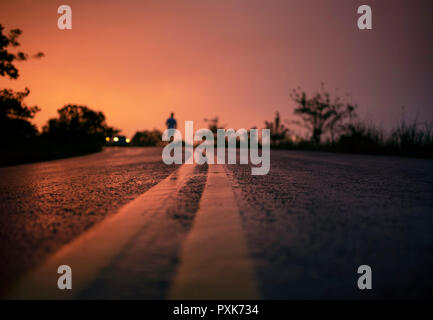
column 116, row 139
column 107, row 139
column 127, row 140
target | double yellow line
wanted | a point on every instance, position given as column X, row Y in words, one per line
column 214, row 257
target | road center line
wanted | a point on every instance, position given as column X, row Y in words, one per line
column 88, row 254
column 214, row 258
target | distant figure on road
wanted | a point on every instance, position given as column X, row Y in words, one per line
column 171, row 122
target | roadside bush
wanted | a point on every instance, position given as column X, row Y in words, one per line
column 361, row 138
column 147, row 138
column 412, row 139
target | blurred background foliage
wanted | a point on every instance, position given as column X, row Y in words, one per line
column 330, row 123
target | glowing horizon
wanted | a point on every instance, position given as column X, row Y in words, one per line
column 138, row 61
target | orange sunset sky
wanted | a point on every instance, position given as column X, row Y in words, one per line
column 138, row 60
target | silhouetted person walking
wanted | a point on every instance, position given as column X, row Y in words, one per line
column 171, row 122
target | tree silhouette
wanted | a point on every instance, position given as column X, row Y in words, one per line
column 278, row 130
column 7, row 58
column 321, row 114
column 15, row 127
column 13, row 106
column 78, row 125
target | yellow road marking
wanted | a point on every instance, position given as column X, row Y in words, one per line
column 214, row 257
column 88, row 254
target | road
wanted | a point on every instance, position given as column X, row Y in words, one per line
column 45, row 205
column 299, row 232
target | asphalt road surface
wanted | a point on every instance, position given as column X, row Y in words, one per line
column 45, row 205
column 316, row 217
column 308, row 225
